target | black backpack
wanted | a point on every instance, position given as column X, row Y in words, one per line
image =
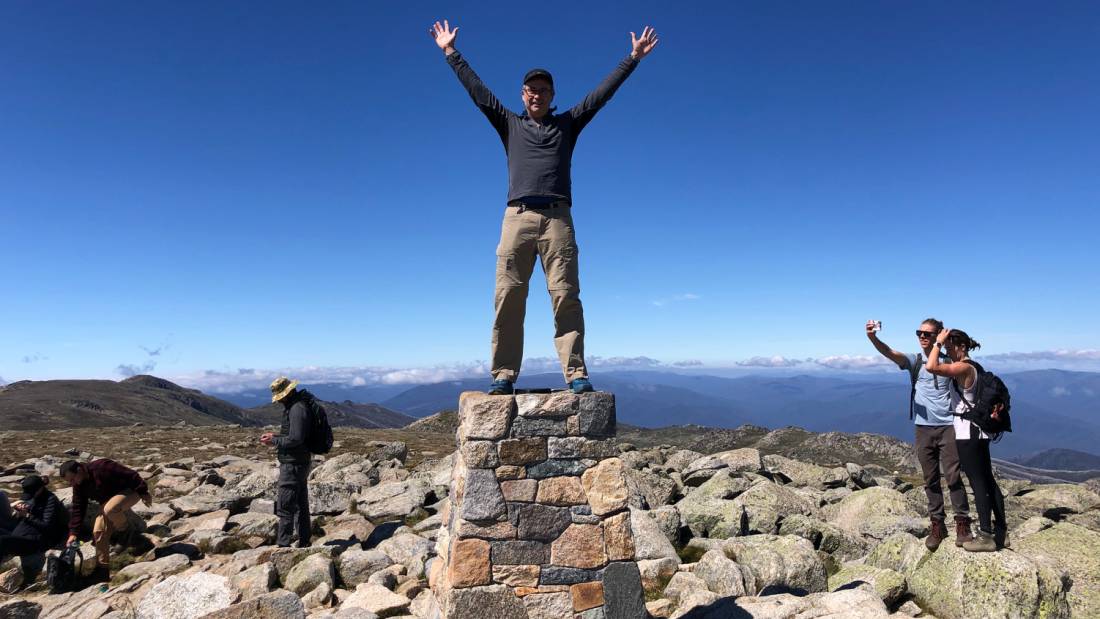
column 320, row 437
column 63, row 570
column 989, row 390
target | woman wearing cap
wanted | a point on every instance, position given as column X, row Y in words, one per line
column 40, row 522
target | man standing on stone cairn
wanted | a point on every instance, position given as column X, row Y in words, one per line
column 292, row 499
column 934, row 433
column 117, row 489
column 537, row 221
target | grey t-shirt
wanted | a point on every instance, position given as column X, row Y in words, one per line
column 932, row 403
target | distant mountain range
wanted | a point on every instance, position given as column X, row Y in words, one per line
column 345, row 413
column 1062, row 459
column 59, row 404
column 1052, row 409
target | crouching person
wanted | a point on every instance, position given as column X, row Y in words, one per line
column 292, row 500
column 40, row 524
column 117, row 489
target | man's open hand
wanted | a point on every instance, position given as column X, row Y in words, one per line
column 641, row 46
column 444, row 36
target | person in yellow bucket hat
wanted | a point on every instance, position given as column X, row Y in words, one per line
column 292, row 498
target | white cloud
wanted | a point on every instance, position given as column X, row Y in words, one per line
column 678, row 298
column 1088, row 354
column 1087, row 359
column 854, row 362
column 247, row 379
column 1059, row 391
column 776, row 361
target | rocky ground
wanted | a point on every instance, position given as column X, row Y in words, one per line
column 748, row 531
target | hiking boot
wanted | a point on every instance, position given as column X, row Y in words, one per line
column 1000, row 535
column 936, row 534
column 983, row 543
column 581, row 385
column 962, row 531
column 502, row 387
column 101, row 573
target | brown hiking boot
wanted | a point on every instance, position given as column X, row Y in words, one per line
column 983, row 543
column 937, row 534
column 962, row 531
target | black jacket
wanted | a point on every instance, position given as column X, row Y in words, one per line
column 540, row 155
column 291, row 442
column 46, row 521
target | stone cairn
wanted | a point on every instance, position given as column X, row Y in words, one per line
column 538, row 525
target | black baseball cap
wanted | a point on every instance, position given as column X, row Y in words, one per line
column 538, row 74
column 31, row 485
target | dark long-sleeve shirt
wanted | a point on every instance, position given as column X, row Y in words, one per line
column 44, row 521
column 106, row 478
column 291, row 442
column 6, row 520
column 539, row 154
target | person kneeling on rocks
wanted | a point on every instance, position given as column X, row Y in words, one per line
column 292, row 500
column 117, row 489
column 40, row 524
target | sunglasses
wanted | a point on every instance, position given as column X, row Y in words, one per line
column 927, row 334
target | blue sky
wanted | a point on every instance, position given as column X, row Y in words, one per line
column 203, row 186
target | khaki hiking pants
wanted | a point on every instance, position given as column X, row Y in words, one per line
column 547, row 233
column 113, row 518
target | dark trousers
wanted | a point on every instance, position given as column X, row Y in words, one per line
column 978, row 466
column 11, row 545
column 29, row 550
column 292, row 503
column 936, row 448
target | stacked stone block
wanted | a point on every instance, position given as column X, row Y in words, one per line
column 538, row 524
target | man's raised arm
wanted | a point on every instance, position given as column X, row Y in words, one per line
column 899, row 358
column 583, row 112
column 484, row 98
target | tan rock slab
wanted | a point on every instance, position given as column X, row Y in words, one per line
column 469, row 563
column 587, row 595
column 496, row 530
column 480, row 454
column 561, row 491
column 619, row 538
column 485, row 417
column 549, row 605
column 581, row 545
column 522, row 490
column 508, row 472
column 517, row 575
column 560, row 404
column 605, row 485
column 520, row 451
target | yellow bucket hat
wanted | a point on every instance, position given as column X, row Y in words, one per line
column 281, row 388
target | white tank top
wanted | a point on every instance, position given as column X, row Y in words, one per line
column 964, row 428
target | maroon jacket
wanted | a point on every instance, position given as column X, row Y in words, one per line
column 106, row 479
